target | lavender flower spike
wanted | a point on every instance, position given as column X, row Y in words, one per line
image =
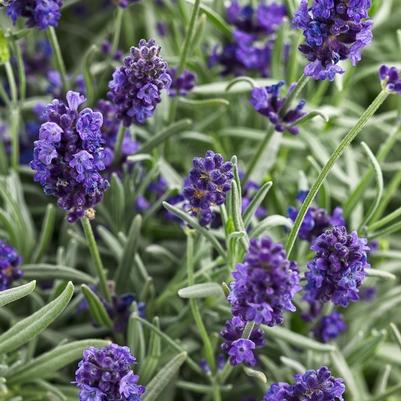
column 313, row 385
column 137, row 85
column 334, row 30
column 68, row 157
column 105, row 374
column 267, row 102
column 9, row 265
column 38, row 13
column 330, row 327
column 265, row 284
column 338, row 268
column 207, row 185
column 391, row 78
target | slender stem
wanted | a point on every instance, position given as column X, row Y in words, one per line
column 258, row 155
column 59, row 57
column 248, row 330
column 11, row 81
column 294, row 93
column 4, row 96
column 385, row 220
column 117, row 29
column 21, row 72
column 346, row 141
column 94, row 251
column 14, row 130
column 184, row 54
column 119, row 143
column 195, row 307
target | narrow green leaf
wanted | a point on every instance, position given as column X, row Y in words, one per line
column 270, row 222
column 117, row 196
column 152, row 361
column 366, row 349
column 381, row 274
column 162, row 136
column 46, row 233
column 88, row 76
column 135, row 335
column 195, row 225
column 47, row 365
column 256, row 201
column 192, row 104
column 201, row 291
column 4, row 51
column 96, row 307
column 26, row 329
column 111, row 242
column 127, row 259
column 215, row 19
column 298, row 340
column 396, row 334
column 380, row 184
column 45, row 271
column 165, row 376
column 256, row 374
column 13, row 294
column 220, row 88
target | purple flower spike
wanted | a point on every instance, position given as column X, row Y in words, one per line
column 38, row 13
column 265, row 284
column 391, row 77
column 330, row 327
column 338, row 268
column 69, row 156
column 240, row 352
column 105, row 374
column 207, row 185
column 183, row 84
column 267, row 102
column 313, row 385
column 137, row 85
column 334, row 30
column 9, row 265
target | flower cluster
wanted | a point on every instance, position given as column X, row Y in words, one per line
column 208, row 182
column 38, row 13
column 69, row 156
column 313, row 385
column 334, row 30
column 9, row 265
column 316, row 219
column 252, row 41
column 391, row 77
column 330, row 327
column 181, row 85
column 265, row 284
column 240, row 350
column 105, row 374
column 137, row 85
column 338, row 267
column 267, row 102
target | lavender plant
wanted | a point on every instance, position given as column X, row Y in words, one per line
column 199, row 200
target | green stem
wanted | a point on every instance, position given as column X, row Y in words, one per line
column 248, row 330
column 94, row 251
column 195, row 307
column 184, row 55
column 21, row 72
column 11, row 81
column 14, row 130
column 385, row 220
column 258, row 155
column 346, row 141
column 294, row 93
column 117, row 29
column 59, row 58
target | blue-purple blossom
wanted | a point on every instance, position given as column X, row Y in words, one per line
column 391, row 78
column 37, row 13
column 313, row 385
column 334, row 30
column 338, row 268
column 105, row 374
column 330, row 327
column 253, row 39
column 267, row 101
column 137, row 85
column 10, row 262
column 264, row 284
column 181, row 85
column 125, row 3
column 69, row 155
column 234, row 348
column 316, row 219
column 208, row 182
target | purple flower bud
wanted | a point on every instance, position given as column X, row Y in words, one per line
column 10, row 261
